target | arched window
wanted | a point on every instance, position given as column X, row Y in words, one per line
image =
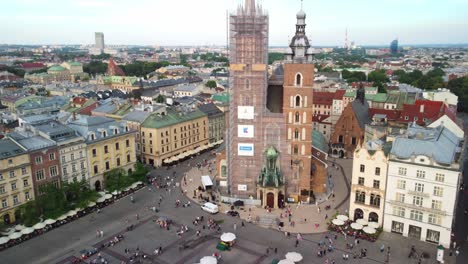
column 247, row 84
column 296, row 134
column 297, row 117
column 296, row 150
column 298, row 79
column 298, row 100
column 360, row 197
column 375, row 200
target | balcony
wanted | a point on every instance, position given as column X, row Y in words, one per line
column 422, row 194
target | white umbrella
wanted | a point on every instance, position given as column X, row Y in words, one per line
column 134, row 185
column 15, row 235
column 9, row 231
column 3, row 240
column 294, row 256
column 27, row 231
column 101, row 193
column 127, row 189
column 208, row 260
column 342, row 217
column 62, row 217
column 19, row 227
column 39, row 226
column 228, row 237
column 91, row 204
column 114, row 192
column 286, row 261
column 373, row 224
column 78, row 209
column 71, row 213
column 338, row 222
column 167, row 160
column 362, row 222
column 49, row 221
column 108, row 196
column 101, row 200
column 139, row 183
column 356, row 226
column 369, row 230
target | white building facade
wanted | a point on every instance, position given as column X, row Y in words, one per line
column 422, row 185
column 368, row 183
column 73, row 161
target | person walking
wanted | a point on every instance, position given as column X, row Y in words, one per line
column 297, row 242
column 235, row 226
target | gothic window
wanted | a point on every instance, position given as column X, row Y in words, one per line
column 360, row 197
column 298, row 79
column 296, row 150
column 246, row 100
column 297, row 118
column 247, row 84
column 296, row 134
column 298, row 101
column 303, row 134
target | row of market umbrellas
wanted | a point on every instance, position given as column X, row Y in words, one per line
column 360, row 224
column 191, row 152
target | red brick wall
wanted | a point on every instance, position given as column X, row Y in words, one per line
column 46, row 164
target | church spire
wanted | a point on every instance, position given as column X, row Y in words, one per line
column 249, row 6
column 299, row 47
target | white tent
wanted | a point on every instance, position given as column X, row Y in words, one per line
column 15, row 235
column 356, row 226
column 208, row 260
column 228, row 237
column 369, row 230
column 286, row 261
column 49, row 221
column 294, row 256
column 27, row 231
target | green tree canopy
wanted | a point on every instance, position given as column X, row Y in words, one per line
column 160, row 99
column 459, row 87
column 211, row 84
column 95, row 67
column 275, row 56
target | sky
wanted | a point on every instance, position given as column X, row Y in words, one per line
column 203, row 22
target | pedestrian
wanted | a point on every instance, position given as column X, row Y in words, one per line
column 326, row 216
column 267, row 251
column 243, row 224
column 98, row 234
column 382, row 248
column 297, row 242
column 235, row 226
column 457, row 251
column 276, row 250
column 101, row 233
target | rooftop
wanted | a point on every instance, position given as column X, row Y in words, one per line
column 172, row 118
column 9, row 149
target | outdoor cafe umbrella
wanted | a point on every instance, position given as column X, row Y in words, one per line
column 356, row 226
column 228, row 237
column 101, row 193
column 62, row 217
column 4, row 240
column 9, row 231
column 168, row 160
column 208, row 260
column 91, row 204
column 114, row 192
column 39, row 226
column 101, row 200
column 134, row 185
column 362, row 222
column 15, row 235
column 294, row 256
column 19, row 227
column 27, row 231
column 342, row 217
column 49, row 221
column 139, row 182
column 286, row 261
column 108, row 196
column 71, row 213
column 338, row 222
column 373, row 224
column 369, row 230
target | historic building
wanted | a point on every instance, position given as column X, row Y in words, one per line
column 216, row 129
column 424, row 175
column 67, row 71
column 15, row 179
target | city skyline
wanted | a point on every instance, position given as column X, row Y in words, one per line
column 165, row 23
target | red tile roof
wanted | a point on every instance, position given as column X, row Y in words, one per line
column 87, row 110
column 339, row 94
column 323, row 98
column 113, row 69
column 27, row 65
column 79, row 100
column 320, row 119
column 424, row 111
column 392, row 115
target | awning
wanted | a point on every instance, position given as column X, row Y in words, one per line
column 39, row 226
column 49, row 221
column 27, row 231
column 15, row 235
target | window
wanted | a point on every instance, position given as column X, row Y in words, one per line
column 13, row 186
column 418, row 200
column 27, row 196
column 107, row 165
column 82, row 165
column 72, row 156
column 377, row 171
column 440, row 177
column 81, row 154
column 401, row 184
column 52, row 156
column 25, row 183
column 362, row 168
column 296, row 150
column 127, row 143
column 73, row 168
column 340, row 139
column 106, row 149
column 118, row 161
column 419, row 187
column 298, row 101
column 353, row 141
column 116, row 131
column 361, row 180
column 128, row 158
column 53, row 171
column 117, row 147
column 296, row 134
column 63, row 159
column 4, row 203
column 297, row 117
column 400, row 197
column 436, row 205
column 420, row 174
column 96, row 170
column 298, row 79
column 375, row 200
column 434, row 219
column 416, row 215
column 402, row 171
column 24, row 171
column 10, row 161
column 438, row 191
column 360, row 197
column 12, row 174
column 65, row 172
column 376, row 184
column 1, row 176
column 39, row 160
column 15, row 199
column 399, row 211
column 2, row 189
column 40, row 175
column 432, row 236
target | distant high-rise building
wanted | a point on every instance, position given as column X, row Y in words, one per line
column 394, row 46
column 99, row 38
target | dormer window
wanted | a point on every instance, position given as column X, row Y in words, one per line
column 116, row 131
column 104, row 134
column 406, row 118
column 93, row 137
column 126, row 129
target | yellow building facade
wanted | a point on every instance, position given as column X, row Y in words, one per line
column 16, row 185
column 167, row 135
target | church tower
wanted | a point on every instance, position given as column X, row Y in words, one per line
column 248, row 57
column 298, row 108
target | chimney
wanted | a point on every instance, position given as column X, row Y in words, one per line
column 421, row 108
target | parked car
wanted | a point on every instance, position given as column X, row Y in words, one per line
column 210, row 208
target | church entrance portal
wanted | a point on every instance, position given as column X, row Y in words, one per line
column 271, row 200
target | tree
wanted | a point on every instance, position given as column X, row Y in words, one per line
column 115, row 179
column 95, row 67
column 160, row 99
column 275, row 56
column 211, row 84
column 459, row 87
column 379, row 78
column 208, row 65
column 102, row 56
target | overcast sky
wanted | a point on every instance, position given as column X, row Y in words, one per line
column 201, row 22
